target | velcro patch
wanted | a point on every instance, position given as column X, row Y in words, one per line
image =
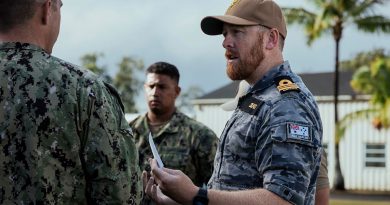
column 286, row 84
column 250, row 105
column 298, row 132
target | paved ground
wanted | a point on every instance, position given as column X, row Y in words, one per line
column 360, row 196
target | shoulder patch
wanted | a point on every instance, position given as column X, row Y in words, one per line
column 250, row 105
column 298, row 132
column 285, row 84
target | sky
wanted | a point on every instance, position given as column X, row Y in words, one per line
column 169, row 30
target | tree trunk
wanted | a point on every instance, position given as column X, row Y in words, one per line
column 339, row 178
column 338, row 181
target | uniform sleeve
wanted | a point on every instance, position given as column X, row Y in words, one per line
column 289, row 161
column 205, row 152
column 323, row 179
column 108, row 154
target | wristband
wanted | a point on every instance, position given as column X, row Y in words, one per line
column 201, row 197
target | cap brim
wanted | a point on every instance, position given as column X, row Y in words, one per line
column 213, row 25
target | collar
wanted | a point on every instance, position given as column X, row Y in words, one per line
column 20, row 46
column 171, row 127
column 268, row 79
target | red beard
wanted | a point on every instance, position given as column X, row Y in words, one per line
column 247, row 64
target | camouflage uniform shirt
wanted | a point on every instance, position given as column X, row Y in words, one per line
column 63, row 135
column 273, row 140
column 183, row 143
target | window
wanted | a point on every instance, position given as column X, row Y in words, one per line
column 375, row 155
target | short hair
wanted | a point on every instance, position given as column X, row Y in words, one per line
column 164, row 68
column 17, row 12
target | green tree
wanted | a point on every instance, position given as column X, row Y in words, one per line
column 332, row 17
column 372, row 79
column 125, row 81
column 90, row 62
column 362, row 59
column 185, row 98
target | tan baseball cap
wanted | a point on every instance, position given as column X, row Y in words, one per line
column 245, row 13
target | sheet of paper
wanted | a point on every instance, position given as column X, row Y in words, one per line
column 155, row 152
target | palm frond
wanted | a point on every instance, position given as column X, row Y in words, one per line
column 348, row 4
column 349, row 118
column 362, row 81
column 359, row 9
column 373, row 24
column 313, row 34
column 298, row 15
column 331, row 10
column 317, row 3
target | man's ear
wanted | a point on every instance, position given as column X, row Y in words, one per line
column 273, row 39
column 46, row 11
column 178, row 90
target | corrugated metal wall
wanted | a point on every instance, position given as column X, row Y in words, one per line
column 352, row 148
column 212, row 116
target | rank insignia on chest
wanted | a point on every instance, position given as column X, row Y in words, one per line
column 250, row 105
column 286, row 84
column 298, row 132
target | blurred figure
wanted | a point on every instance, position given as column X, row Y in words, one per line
column 323, row 186
column 63, row 135
column 182, row 142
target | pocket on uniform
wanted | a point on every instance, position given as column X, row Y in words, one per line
column 175, row 157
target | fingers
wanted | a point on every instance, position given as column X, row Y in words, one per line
column 153, row 163
column 145, row 178
column 152, row 191
column 171, row 171
column 149, row 185
column 154, row 194
column 157, row 172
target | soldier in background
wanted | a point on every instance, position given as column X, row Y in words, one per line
column 322, row 186
column 182, row 142
column 63, row 135
column 270, row 150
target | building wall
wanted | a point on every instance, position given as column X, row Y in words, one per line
column 353, row 153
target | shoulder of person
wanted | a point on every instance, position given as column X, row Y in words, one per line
column 138, row 121
column 286, row 84
column 282, row 87
column 66, row 67
column 115, row 94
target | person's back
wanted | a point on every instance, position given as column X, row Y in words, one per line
column 63, row 135
column 59, row 130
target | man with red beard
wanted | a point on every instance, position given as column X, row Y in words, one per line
column 270, row 150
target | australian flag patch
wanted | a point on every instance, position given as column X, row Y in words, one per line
column 298, row 132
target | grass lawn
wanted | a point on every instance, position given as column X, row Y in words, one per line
column 348, row 202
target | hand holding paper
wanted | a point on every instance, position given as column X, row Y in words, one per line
column 155, row 152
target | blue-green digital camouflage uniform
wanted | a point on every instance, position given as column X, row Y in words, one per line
column 183, row 143
column 273, row 140
column 63, row 135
